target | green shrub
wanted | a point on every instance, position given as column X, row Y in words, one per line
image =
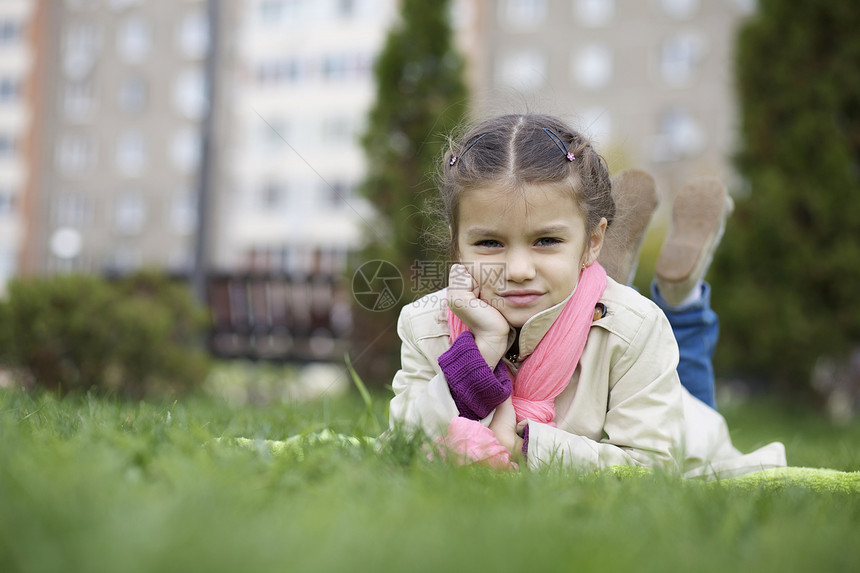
column 139, row 335
column 786, row 274
column 420, row 98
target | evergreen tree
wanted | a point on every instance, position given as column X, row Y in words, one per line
column 420, row 98
column 788, row 271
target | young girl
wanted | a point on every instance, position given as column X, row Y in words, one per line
column 532, row 352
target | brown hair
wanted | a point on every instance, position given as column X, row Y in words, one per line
column 515, row 150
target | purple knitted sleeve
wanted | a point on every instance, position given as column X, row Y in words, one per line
column 526, row 441
column 476, row 389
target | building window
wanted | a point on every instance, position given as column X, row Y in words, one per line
column 79, row 101
column 282, row 71
column 679, row 9
column 183, row 212
column 338, row 131
column 132, row 95
column 10, row 32
column 8, row 265
column 346, row 8
column 72, row 209
column 82, row 37
column 8, row 202
column 9, row 89
column 594, row 13
column 131, row 154
column 8, row 145
column 596, row 123
column 273, row 134
column 274, row 12
column 679, row 58
column 189, row 94
column 78, row 63
column 304, row 131
column 185, row 149
column 747, row 6
column 81, row 4
column 273, row 195
column 462, row 14
column 179, row 260
column 120, row 5
column 271, row 11
column 81, row 42
column 338, row 67
column 592, row 66
column 522, row 13
column 679, row 136
column 338, row 193
column 125, row 259
column 134, row 38
column 524, row 70
column 129, row 213
column 193, row 35
column 75, row 154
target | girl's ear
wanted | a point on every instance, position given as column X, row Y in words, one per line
column 595, row 242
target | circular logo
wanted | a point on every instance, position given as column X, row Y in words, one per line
column 377, row 285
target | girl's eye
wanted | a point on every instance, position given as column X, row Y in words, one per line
column 548, row 242
column 488, row 243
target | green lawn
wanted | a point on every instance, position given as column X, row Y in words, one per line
column 89, row 484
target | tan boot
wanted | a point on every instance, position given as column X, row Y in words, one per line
column 699, row 215
column 635, row 195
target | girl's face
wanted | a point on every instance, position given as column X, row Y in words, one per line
column 526, row 250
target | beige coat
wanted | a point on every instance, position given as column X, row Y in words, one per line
column 623, row 405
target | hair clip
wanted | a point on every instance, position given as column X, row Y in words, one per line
column 454, row 158
column 560, row 144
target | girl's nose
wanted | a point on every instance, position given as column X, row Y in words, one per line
column 521, row 268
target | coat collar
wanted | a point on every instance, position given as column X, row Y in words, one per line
column 536, row 328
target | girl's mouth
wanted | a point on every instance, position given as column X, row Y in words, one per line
column 520, row 298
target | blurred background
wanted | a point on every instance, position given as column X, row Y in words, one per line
column 105, row 104
column 228, row 142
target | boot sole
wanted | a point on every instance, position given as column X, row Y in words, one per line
column 635, row 196
column 698, row 214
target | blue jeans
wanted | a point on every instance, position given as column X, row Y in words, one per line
column 696, row 330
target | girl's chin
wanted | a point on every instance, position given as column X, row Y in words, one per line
column 517, row 317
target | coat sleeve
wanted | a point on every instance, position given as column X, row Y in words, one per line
column 422, row 398
column 644, row 418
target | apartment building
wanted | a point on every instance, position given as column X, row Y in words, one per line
column 303, row 84
column 122, row 94
column 649, row 80
column 17, row 22
column 101, row 156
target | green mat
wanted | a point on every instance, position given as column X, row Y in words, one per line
column 818, row 479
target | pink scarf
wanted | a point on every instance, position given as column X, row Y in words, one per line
column 541, row 378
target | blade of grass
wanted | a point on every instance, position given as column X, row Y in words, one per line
column 365, row 396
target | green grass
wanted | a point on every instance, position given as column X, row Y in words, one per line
column 90, row 484
column 810, row 439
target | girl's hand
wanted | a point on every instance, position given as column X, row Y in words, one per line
column 487, row 324
column 504, row 427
